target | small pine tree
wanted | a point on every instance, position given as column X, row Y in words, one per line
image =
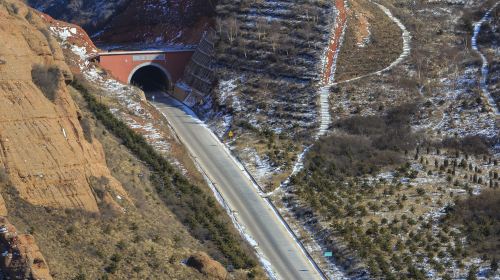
column 494, row 265
column 80, row 276
column 472, row 273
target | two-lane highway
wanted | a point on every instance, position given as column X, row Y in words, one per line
column 288, row 260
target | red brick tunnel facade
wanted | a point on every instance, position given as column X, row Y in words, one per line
column 124, row 64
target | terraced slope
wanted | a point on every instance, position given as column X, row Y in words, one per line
column 271, row 50
column 268, row 62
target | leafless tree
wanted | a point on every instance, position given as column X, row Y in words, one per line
column 261, row 25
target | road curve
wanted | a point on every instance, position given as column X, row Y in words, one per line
column 273, row 240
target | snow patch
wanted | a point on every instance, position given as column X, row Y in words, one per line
column 485, row 67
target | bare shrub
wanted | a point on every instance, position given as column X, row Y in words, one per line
column 46, row 79
column 479, row 216
column 3, row 175
column 99, row 185
column 348, row 155
column 87, row 130
column 390, row 132
column 474, row 145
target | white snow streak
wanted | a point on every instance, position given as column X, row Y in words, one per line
column 484, row 69
column 406, row 47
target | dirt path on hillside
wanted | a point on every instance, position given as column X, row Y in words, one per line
column 404, row 54
column 335, row 42
column 330, row 65
column 485, row 64
column 308, row 238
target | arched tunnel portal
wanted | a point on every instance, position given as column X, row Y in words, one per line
column 150, row 77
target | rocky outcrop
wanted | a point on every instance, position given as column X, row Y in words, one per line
column 90, row 14
column 206, row 265
column 20, row 256
column 126, row 21
column 46, row 154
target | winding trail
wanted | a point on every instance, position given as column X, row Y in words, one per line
column 332, row 55
column 404, row 54
column 485, row 67
column 328, row 77
column 330, row 66
column 335, row 42
column 327, row 80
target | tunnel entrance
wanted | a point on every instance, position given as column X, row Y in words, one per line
column 150, row 78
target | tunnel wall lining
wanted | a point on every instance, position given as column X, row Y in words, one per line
column 165, row 71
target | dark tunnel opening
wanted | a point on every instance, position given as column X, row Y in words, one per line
column 150, row 78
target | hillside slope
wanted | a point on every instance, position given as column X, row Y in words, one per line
column 44, row 148
column 94, row 206
column 125, row 21
column 269, row 57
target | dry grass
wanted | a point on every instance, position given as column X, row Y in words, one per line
column 145, row 242
column 479, row 217
column 278, row 151
column 387, row 223
column 384, row 46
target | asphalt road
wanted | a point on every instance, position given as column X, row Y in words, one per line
column 278, row 246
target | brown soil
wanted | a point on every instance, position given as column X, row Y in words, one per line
column 335, row 40
column 145, row 242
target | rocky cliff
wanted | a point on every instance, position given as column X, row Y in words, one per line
column 126, row 21
column 44, row 149
column 55, row 177
column 21, row 258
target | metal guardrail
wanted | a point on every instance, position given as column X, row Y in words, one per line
column 252, row 178
column 289, row 229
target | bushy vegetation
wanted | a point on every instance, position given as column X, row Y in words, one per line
column 381, row 218
column 389, row 132
column 46, row 79
column 194, row 206
column 479, row 218
column 3, row 175
column 472, row 145
column 366, row 145
column 349, row 155
column 87, row 130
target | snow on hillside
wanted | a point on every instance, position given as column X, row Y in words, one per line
column 130, row 106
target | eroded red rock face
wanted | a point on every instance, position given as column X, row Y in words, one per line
column 20, row 256
column 43, row 148
column 181, row 21
column 127, row 21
